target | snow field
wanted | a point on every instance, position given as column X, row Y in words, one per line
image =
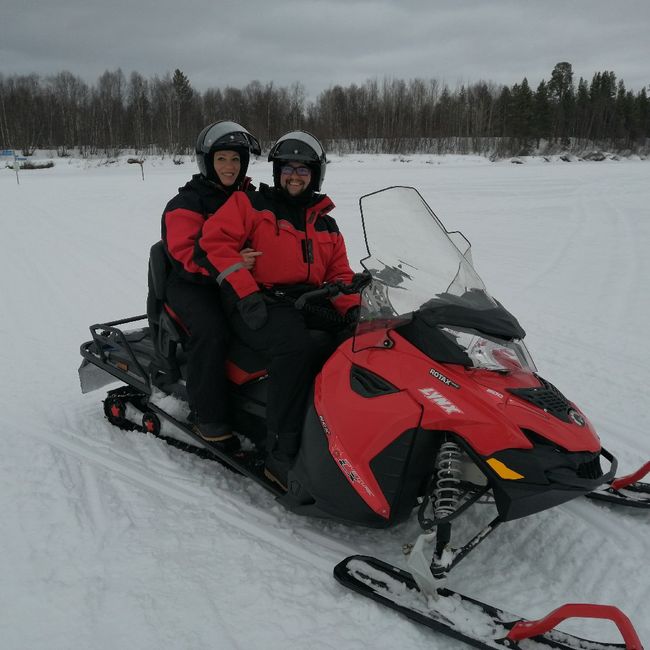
column 112, row 539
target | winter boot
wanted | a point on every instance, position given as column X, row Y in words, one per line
column 276, row 468
column 280, row 454
column 219, row 435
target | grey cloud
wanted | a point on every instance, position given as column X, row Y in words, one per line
column 324, row 42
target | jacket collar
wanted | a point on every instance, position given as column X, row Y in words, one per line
column 321, row 203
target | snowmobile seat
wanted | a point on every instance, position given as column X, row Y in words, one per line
column 166, row 330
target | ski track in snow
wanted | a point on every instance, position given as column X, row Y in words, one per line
column 164, row 485
column 114, row 539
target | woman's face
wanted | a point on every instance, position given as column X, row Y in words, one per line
column 227, row 164
column 295, row 177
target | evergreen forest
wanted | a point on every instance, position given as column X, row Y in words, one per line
column 163, row 115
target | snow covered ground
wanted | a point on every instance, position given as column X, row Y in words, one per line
column 114, row 540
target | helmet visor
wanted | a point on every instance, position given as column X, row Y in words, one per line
column 299, row 146
column 227, row 135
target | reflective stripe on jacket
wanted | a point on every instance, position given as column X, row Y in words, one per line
column 300, row 244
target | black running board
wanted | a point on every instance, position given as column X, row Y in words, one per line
column 248, row 464
column 239, row 463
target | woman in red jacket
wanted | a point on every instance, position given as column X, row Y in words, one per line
column 300, row 244
column 222, row 153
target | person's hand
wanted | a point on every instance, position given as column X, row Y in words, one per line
column 352, row 315
column 249, row 255
column 253, row 311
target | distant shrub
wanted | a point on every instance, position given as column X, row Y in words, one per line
column 36, row 165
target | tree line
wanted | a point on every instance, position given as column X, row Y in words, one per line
column 163, row 115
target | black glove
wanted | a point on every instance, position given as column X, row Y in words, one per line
column 352, row 315
column 359, row 282
column 252, row 309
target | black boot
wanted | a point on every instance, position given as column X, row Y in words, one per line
column 281, row 452
column 219, row 435
column 276, row 468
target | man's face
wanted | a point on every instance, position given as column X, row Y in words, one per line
column 295, row 177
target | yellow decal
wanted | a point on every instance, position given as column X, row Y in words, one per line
column 503, row 470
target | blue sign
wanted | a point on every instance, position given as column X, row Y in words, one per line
column 7, row 152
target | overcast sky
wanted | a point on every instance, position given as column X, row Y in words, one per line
column 321, row 43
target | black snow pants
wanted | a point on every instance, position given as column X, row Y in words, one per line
column 293, row 356
column 199, row 308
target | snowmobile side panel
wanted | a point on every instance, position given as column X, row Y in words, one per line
column 319, row 486
column 478, row 624
column 360, row 423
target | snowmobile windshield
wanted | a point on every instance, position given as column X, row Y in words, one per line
column 422, row 274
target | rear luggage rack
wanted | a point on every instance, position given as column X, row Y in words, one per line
column 107, row 337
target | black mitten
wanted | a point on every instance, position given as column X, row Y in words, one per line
column 252, row 309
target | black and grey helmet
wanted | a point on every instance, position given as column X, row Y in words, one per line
column 225, row 136
column 301, row 147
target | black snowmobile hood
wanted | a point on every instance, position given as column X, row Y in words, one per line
column 424, row 333
column 495, row 320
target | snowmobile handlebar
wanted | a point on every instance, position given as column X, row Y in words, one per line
column 331, row 289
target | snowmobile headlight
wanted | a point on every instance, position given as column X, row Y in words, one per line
column 490, row 352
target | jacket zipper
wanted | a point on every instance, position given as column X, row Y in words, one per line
column 308, row 246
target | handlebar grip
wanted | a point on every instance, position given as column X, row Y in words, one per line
column 359, row 281
column 328, row 290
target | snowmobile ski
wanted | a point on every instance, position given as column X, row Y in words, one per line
column 627, row 490
column 469, row 620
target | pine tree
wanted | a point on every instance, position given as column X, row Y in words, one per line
column 184, row 126
column 542, row 114
column 521, row 126
column 563, row 99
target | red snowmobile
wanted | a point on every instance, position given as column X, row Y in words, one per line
column 432, row 404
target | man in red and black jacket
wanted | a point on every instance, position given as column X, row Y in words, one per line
column 300, row 244
column 222, row 153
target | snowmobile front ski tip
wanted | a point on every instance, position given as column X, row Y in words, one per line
column 626, row 490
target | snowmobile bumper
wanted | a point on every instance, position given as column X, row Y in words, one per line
column 543, row 477
column 93, row 377
column 109, row 356
column 626, row 490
